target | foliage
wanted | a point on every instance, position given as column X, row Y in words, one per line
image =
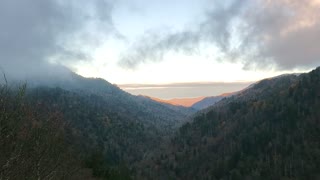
column 271, row 131
column 32, row 140
column 92, row 130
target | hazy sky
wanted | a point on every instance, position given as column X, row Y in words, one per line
column 161, row 42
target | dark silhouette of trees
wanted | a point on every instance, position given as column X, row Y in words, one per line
column 32, row 139
column 270, row 131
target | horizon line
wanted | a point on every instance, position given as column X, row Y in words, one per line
column 178, row 84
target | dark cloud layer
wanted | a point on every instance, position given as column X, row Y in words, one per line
column 267, row 33
column 33, row 32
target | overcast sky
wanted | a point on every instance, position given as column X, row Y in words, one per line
column 160, row 42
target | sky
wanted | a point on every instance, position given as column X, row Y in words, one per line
column 167, row 48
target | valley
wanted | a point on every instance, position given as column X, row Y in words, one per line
column 104, row 132
column 160, row 90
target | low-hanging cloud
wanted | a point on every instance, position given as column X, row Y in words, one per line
column 36, row 32
column 258, row 33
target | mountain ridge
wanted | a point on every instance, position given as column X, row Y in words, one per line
column 268, row 131
column 197, row 103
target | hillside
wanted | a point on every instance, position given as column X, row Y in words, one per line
column 145, row 110
column 269, row 131
column 104, row 128
column 87, row 128
column 198, row 103
column 211, row 100
column 206, row 102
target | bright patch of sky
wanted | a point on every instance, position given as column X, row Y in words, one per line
column 133, row 19
column 174, row 68
column 160, row 42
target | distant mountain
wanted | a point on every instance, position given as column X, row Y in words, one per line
column 268, row 131
column 197, row 103
column 209, row 101
column 206, row 102
column 186, row 102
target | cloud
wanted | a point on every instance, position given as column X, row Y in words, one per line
column 285, row 32
column 153, row 47
column 34, row 32
column 258, row 33
column 155, row 44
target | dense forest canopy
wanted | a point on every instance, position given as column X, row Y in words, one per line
column 91, row 129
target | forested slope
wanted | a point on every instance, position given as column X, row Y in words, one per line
column 97, row 126
column 270, row 131
column 87, row 129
